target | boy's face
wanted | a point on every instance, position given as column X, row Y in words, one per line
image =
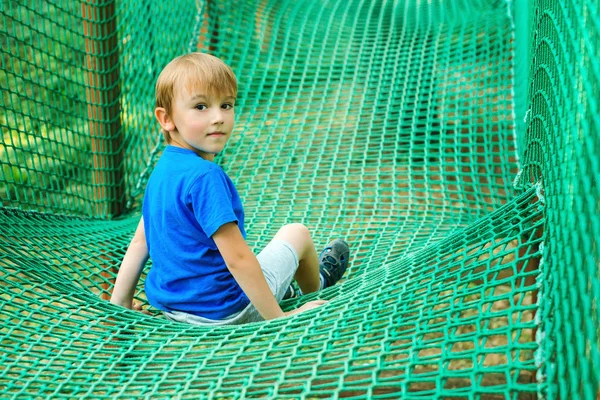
column 202, row 122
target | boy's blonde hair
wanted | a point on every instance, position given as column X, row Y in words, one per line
column 192, row 71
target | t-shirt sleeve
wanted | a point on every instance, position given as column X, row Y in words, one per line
column 211, row 201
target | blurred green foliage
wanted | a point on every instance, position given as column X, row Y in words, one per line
column 45, row 150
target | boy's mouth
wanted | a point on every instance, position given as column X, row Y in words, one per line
column 216, row 134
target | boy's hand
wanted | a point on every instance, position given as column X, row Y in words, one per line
column 138, row 307
column 305, row 307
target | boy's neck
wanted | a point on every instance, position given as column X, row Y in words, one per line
column 206, row 156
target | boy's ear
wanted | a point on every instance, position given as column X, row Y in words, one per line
column 164, row 119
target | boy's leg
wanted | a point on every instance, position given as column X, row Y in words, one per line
column 307, row 275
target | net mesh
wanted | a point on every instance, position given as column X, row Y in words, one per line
column 454, row 144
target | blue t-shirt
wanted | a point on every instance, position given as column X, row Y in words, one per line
column 187, row 200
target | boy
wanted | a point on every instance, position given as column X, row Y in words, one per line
column 192, row 221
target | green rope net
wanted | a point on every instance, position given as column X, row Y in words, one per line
column 455, row 145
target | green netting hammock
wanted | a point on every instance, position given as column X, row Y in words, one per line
column 454, row 143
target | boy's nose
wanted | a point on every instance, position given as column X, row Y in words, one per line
column 218, row 116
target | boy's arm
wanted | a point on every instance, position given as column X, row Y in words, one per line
column 244, row 267
column 131, row 268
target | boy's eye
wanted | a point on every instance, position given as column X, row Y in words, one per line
column 200, row 107
column 227, row 106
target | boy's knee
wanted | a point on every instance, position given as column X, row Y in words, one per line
column 298, row 229
column 294, row 233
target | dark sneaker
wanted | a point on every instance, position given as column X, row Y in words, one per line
column 333, row 261
column 291, row 293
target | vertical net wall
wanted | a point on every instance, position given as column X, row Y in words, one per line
column 561, row 157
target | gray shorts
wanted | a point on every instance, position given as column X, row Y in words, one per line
column 279, row 262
